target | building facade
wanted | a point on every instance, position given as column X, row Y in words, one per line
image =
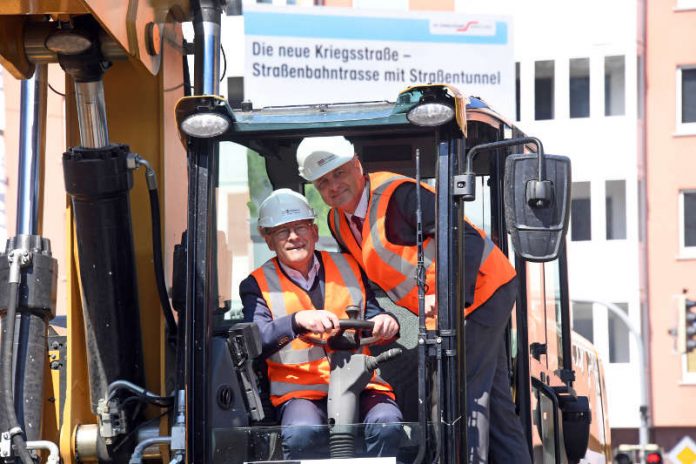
column 671, row 213
column 579, row 91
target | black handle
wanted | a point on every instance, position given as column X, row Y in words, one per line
column 355, row 324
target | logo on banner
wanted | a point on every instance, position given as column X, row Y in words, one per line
column 474, row 27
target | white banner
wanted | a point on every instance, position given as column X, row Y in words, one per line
column 328, row 55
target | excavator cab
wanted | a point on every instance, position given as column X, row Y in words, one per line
column 432, row 132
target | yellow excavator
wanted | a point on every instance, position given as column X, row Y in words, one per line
column 166, row 369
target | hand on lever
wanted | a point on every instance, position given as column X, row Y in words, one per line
column 385, row 327
column 316, row 321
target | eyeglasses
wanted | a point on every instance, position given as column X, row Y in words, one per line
column 283, row 233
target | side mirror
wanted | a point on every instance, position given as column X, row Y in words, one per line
column 537, row 210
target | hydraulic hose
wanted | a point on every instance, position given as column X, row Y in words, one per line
column 35, row 273
column 29, row 363
column 167, row 311
column 7, row 396
column 144, row 393
column 137, row 456
column 159, row 266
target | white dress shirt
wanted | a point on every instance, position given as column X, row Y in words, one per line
column 360, row 212
column 298, row 278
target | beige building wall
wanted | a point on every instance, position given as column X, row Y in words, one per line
column 671, row 168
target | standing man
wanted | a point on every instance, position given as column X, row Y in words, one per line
column 302, row 291
column 373, row 217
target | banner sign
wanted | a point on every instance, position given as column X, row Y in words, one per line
column 329, row 55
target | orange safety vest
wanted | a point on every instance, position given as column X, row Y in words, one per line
column 301, row 369
column 393, row 267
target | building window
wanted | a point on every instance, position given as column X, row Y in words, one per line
column 582, row 320
column 619, row 348
column 616, row 209
column 543, row 89
column 580, row 209
column 614, row 85
column 579, row 88
column 686, row 99
column 691, row 363
column 687, row 216
column 517, row 91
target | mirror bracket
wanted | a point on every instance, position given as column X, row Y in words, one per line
column 465, row 186
column 539, row 193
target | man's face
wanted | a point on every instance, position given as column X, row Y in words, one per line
column 342, row 187
column 293, row 243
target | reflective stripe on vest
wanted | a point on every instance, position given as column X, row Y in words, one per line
column 394, row 273
column 274, row 291
column 394, row 260
column 283, row 388
column 301, row 369
column 289, row 355
column 494, row 271
column 349, row 279
column 384, row 262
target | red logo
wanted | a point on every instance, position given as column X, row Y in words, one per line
column 466, row 27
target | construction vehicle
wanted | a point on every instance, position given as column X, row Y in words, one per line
column 180, row 384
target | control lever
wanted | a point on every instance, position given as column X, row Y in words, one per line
column 244, row 343
column 372, row 362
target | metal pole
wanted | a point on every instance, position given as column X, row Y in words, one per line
column 422, row 333
column 452, row 399
column 31, row 147
column 643, row 430
column 458, row 285
column 201, row 260
column 206, row 28
column 91, row 114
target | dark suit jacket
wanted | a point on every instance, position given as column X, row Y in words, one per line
column 400, row 225
column 278, row 332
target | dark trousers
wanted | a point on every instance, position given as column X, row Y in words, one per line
column 494, row 429
column 305, row 435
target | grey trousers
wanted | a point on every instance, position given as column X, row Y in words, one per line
column 305, row 438
column 494, row 430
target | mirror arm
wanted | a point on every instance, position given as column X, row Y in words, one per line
column 538, row 192
column 507, row 143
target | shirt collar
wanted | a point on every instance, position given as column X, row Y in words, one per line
column 298, row 278
column 361, row 209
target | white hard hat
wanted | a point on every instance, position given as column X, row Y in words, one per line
column 318, row 155
column 283, row 206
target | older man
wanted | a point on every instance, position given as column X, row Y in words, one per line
column 302, row 291
column 373, row 217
